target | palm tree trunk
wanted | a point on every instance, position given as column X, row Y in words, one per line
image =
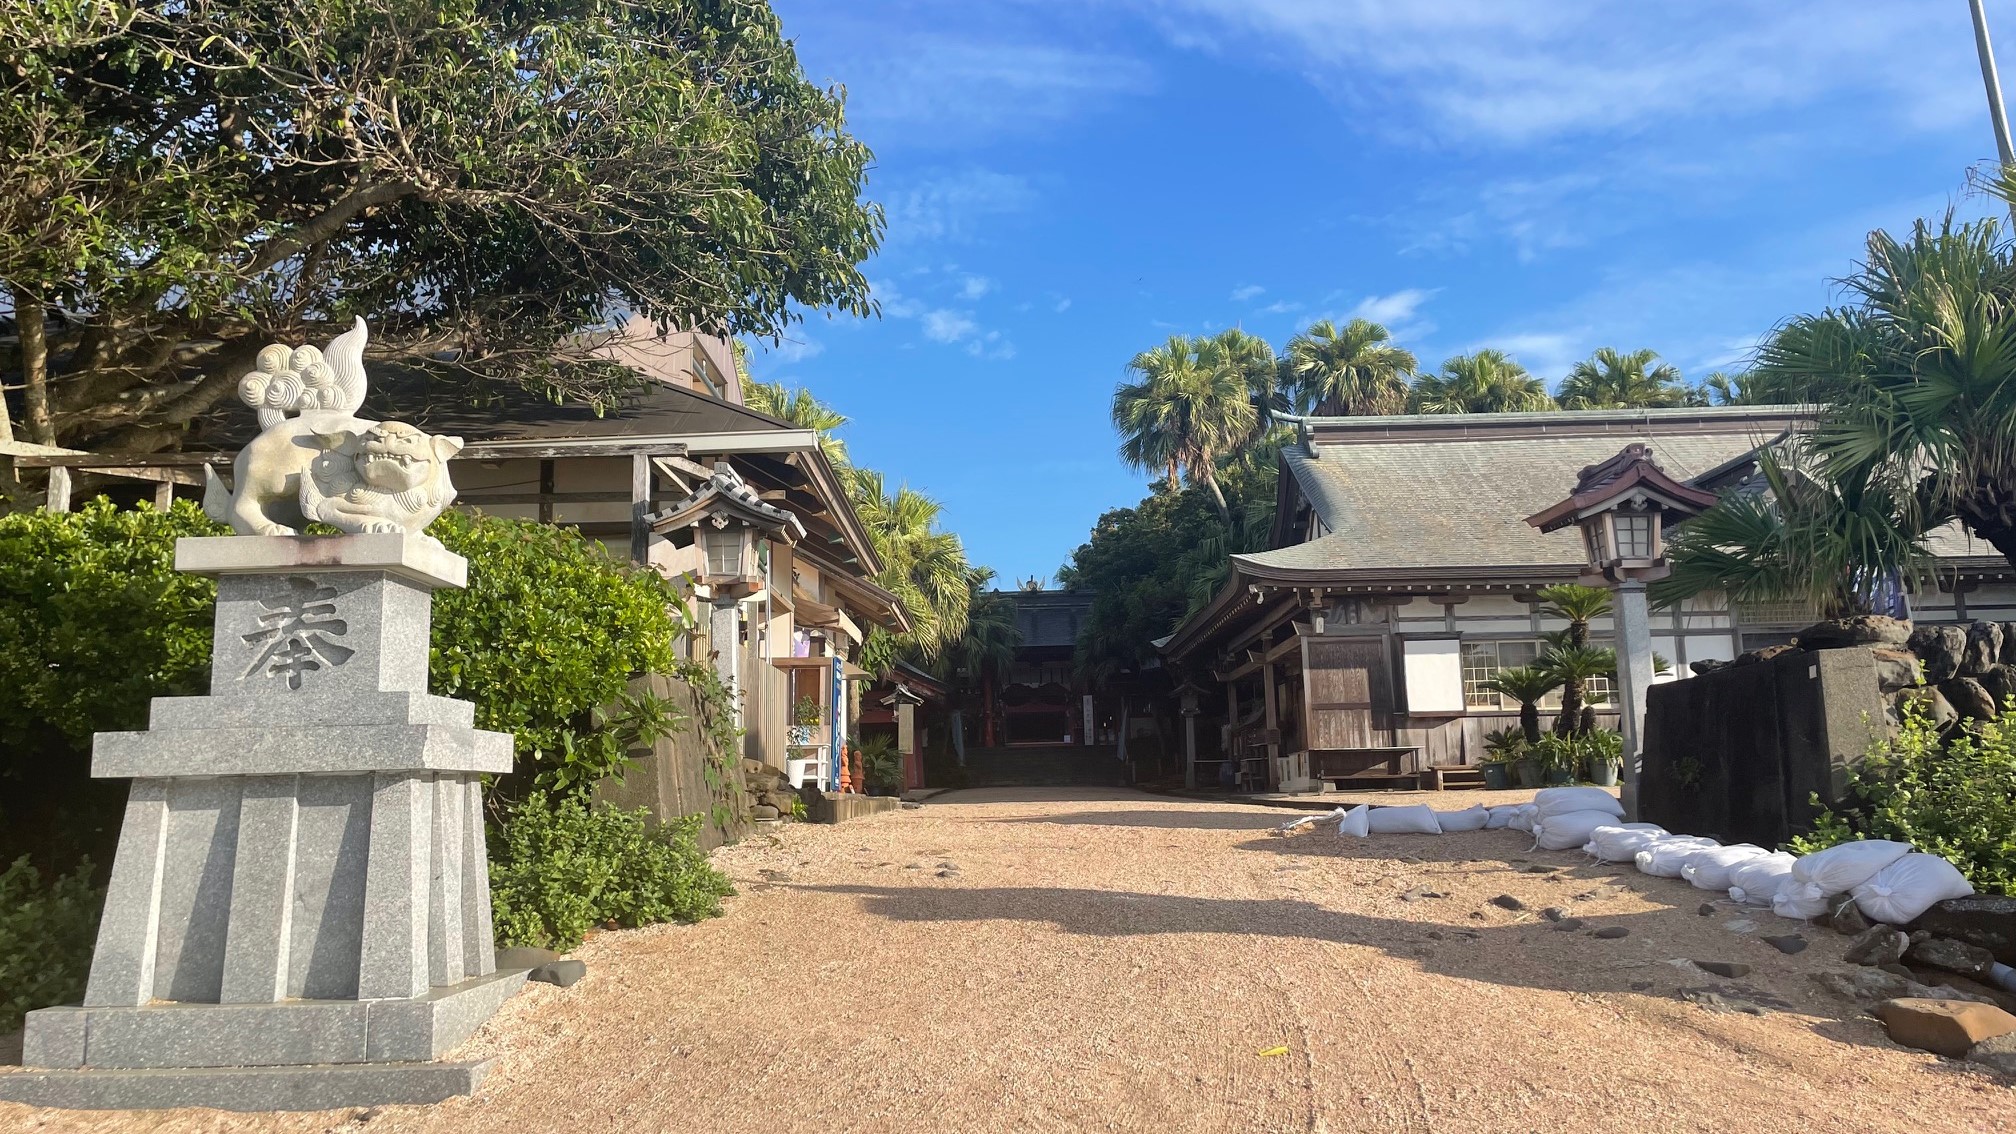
column 1217, row 495
column 1571, row 707
column 1529, row 721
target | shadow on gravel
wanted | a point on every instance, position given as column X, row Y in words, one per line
column 1197, row 820
column 1527, row 953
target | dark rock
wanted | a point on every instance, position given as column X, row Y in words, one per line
column 1944, row 1027
column 1434, row 935
column 1730, row 969
column 2000, row 683
column 1418, row 893
column 1865, row 986
column 1984, row 648
column 1707, row 909
column 1894, row 968
column 1788, row 943
column 1708, row 665
column 1968, row 698
column 1569, row 924
column 763, row 811
column 1929, row 703
column 1862, row 630
column 1985, row 920
column 1997, row 1053
column 525, row 957
column 1848, row 919
column 1588, row 895
column 1950, row 955
column 1537, row 868
column 1611, row 932
column 1764, row 655
column 1508, row 902
column 1939, row 648
column 911, row 805
column 1895, row 669
column 562, row 973
column 1640, row 985
column 1880, row 945
column 1553, row 913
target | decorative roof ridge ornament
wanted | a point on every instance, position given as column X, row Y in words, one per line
column 315, row 460
column 725, row 497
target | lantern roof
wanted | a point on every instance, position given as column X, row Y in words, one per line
column 1630, row 475
column 725, row 497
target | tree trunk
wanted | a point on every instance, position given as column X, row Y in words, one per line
column 30, row 317
column 1217, row 496
column 1990, row 512
column 1529, row 721
column 1571, row 707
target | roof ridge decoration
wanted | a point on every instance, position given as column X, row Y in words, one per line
column 1633, row 471
column 724, row 498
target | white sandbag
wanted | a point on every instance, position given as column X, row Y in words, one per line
column 1522, row 817
column 1758, row 880
column 1500, row 817
column 1800, row 901
column 1354, row 822
column 1908, row 887
column 1710, row 870
column 1570, row 829
column 1469, row 819
column 1839, row 869
column 1416, row 820
column 1562, row 800
column 1621, row 842
column 1663, row 858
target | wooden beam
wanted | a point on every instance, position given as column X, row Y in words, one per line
column 164, row 495
column 640, row 507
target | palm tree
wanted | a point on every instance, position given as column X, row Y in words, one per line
column 921, row 564
column 801, row 409
column 1484, row 382
column 1526, row 684
column 1572, row 660
column 1186, row 408
column 986, row 647
column 1252, row 359
column 1610, row 379
column 1919, row 376
column 1355, row 370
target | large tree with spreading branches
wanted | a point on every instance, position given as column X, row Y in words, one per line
column 485, row 180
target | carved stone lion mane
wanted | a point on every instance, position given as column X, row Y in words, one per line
column 390, row 478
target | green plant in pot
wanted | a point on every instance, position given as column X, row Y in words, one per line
column 1603, row 755
column 1503, row 748
column 1557, row 756
column 881, row 764
column 1527, row 685
column 805, row 721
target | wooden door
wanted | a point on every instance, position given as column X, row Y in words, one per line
column 1350, row 692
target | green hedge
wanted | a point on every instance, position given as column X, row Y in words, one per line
column 47, row 928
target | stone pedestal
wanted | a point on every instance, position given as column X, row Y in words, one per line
column 299, row 909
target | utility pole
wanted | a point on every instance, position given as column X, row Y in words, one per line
column 1997, row 116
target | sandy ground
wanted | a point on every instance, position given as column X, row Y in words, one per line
column 1025, row 960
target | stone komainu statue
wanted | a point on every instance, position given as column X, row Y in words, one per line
column 314, row 459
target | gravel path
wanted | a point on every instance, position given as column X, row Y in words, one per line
column 1029, row 960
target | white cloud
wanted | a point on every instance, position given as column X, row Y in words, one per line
column 942, row 90
column 1280, row 307
column 1398, row 307
column 991, row 347
column 973, row 287
column 947, row 326
column 792, row 350
column 948, row 205
column 1245, row 292
column 1520, row 70
column 1063, row 305
column 1547, row 354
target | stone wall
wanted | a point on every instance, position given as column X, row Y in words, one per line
column 672, row 778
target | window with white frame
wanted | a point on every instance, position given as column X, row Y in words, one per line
column 1483, row 659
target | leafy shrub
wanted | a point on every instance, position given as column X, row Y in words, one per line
column 560, row 867
column 1955, row 798
column 46, row 933
column 550, row 630
column 881, row 764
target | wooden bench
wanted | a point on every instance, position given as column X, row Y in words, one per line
column 1361, row 767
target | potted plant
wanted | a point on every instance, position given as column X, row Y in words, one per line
column 1557, row 756
column 1604, row 752
column 805, row 719
column 1502, row 749
column 881, row 765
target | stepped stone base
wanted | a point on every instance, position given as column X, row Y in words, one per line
column 320, row 1087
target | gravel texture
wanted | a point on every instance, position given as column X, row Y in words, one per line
column 1033, row 960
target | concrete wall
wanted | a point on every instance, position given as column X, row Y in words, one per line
column 1737, row 754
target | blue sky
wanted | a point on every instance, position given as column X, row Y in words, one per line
column 1069, row 182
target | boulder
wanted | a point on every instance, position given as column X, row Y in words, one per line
column 1848, row 919
column 1939, row 647
column 1508, row 902
column 1895, row 668
column 1950, row 955
column 1945, row 1027
column 1968, row 698
column 561, row 973
column 1983, row 649
column 1996, row 1053
column 753, row 767
column 1763, row 655
column 1879, row 945
column 1864, row 986
column 781, row 800
column 1984, row 920
column 1788, row 943
column 1730, row 969
column 1930, row 702
column 1862, row 630
column 763, row 811
column 2000, row 683
column 1708, row 665
column 1611, row 933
